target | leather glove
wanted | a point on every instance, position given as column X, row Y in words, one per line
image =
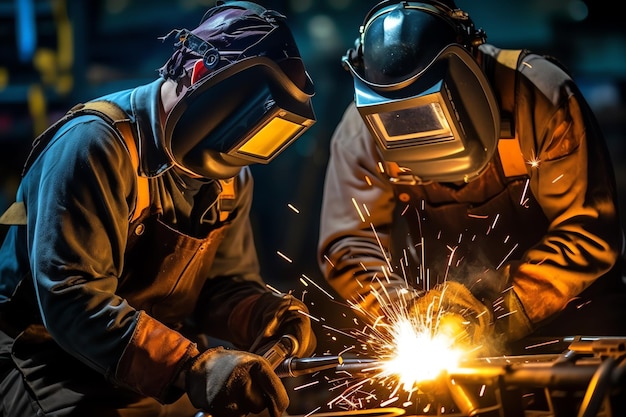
column 451, row 309
column 277, row 315
column 232, row 383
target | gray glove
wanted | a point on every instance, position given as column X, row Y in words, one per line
column 232, row 383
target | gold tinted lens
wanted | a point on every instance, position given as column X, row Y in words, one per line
column 270, row 138
column 419, row 123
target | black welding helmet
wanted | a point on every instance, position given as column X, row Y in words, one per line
column 422, row 94
column 247, row 94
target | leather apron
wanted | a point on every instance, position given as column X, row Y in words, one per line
column 163, row 275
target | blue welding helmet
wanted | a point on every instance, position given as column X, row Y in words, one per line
column 247, row 97
column 421, row 92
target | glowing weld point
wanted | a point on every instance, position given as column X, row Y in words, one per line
column 419, row 356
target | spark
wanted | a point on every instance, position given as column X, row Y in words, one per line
column 273, row 289
column 478, row 216
column 356, row 206
column 308, row 315
column 312, row 412
column 523, row 199
column 343, row 352
column 493, row 225
column 404, row 348
column 292, row 207
column 534, row 161
column 318, row 287
column 380, row 245
column 507, row 256
column 389, row 401
column 306, row 385
column 557, row 179
column 506, row 314
column 283, row 256
column 452, row 251
column 551, row 342
column 408, row 348
column 336, row 330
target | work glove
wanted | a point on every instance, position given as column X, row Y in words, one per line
column 276, row 315
column 452, row 310
column 233, row 383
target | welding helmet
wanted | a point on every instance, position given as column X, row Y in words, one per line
column 421, row 92
column 245, row 92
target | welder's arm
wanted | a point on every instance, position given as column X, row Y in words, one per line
column 357, row 211
column 574, row 185
column 253, row 318
column 79, row 195
column 235, row 304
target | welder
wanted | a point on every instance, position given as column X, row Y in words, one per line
column 477, row 176
column 130, row 257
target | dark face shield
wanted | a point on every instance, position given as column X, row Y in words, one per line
column 242, row 114
column 441, row 124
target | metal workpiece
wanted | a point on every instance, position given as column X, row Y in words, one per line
column 585, row 378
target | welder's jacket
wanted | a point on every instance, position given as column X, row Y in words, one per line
column 115, row 295
column 547, row 236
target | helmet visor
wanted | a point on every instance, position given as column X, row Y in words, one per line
column 250, row 110
column 442, row 124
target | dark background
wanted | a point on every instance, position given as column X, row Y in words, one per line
column 56, row 53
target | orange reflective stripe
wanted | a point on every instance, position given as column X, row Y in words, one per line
column 143, row 189
column 513, row 163
column 123, row 126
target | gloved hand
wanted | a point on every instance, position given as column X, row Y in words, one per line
column 277, row 315
column 232, row 383
column 455, row 312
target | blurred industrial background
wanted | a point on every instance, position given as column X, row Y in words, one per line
column 54, row 53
